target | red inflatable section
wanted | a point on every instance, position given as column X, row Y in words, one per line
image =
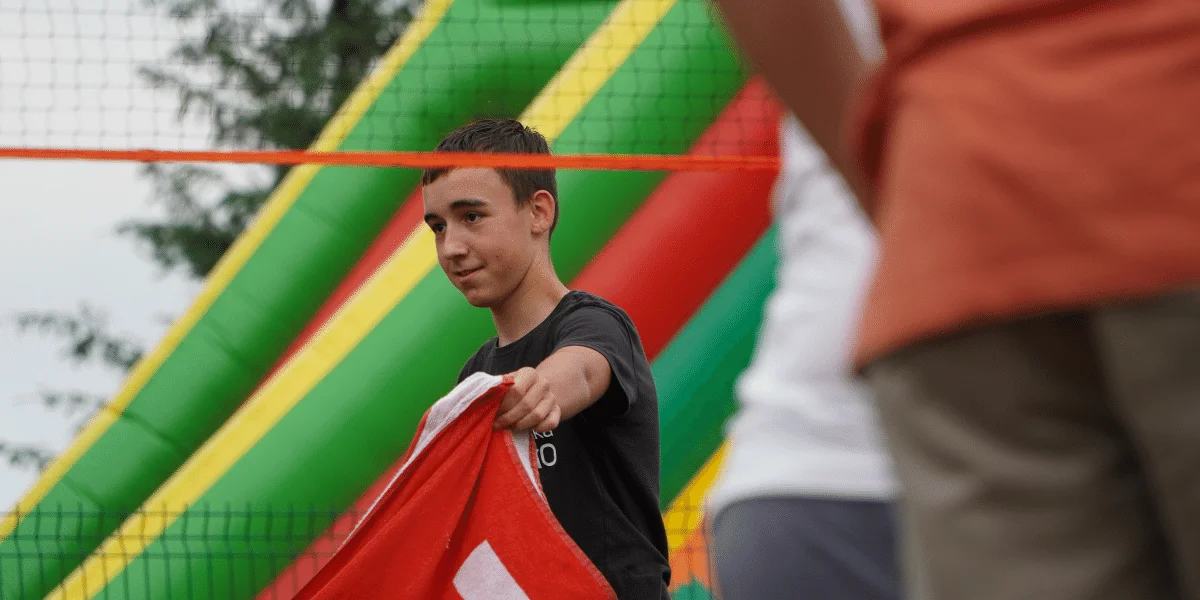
column 693, row 230
column 660, row 267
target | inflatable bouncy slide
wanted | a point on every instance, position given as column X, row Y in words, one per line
column 276, row 407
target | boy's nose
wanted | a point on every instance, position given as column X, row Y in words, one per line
column 453, row 246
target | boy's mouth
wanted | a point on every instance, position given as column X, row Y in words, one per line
column 463, row 274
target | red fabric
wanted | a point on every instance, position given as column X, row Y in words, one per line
column 467, row 486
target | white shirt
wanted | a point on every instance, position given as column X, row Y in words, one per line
column 806, row 426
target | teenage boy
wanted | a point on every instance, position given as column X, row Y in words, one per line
column 582, row 381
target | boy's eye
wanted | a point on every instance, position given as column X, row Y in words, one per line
column 473, row 217
column 437, row 227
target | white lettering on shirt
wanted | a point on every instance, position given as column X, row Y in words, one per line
column 547, row 453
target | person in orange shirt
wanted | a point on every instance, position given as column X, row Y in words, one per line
column 1032, row 332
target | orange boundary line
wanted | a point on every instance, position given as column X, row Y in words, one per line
column 622, row 162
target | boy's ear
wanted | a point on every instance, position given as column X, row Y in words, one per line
column 541, row 205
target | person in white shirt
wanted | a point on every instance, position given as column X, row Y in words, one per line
column 803, row 507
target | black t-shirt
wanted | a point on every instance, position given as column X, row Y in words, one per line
column 600, row 468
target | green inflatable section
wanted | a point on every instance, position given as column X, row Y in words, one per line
column 498, row 52
column 696, row 372
column 360, row 417
column 693, row 590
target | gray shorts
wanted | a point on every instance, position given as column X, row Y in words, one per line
column 802, row 548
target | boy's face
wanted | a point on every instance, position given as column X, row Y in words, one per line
column 485, row 242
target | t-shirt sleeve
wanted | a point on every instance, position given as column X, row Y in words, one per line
column 608, row 333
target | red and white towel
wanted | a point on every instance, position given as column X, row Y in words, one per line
column 463, row 519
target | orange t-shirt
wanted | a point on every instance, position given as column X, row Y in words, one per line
column 1029, row 156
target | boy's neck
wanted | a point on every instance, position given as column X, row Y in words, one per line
column 533, row 300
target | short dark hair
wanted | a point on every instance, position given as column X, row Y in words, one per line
column 506, row 136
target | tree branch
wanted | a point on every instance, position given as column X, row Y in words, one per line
column 27, row 457
column 85, row 334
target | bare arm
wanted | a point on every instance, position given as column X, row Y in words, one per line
column 565, row 383
column 806, row 51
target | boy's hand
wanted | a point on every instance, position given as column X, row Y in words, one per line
column 529, row 404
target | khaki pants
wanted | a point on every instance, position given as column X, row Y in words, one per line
column 1053, row 458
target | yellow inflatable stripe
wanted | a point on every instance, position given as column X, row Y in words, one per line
column 591, row 67
column 687, row 511
column 411, row 262
column 278, row 203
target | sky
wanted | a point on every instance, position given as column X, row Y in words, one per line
column 67, row 78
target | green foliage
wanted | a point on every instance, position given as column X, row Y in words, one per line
column 25, row 456
column 85, row 334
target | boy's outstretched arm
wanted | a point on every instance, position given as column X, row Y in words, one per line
column 806, row 51
column 565, row 383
